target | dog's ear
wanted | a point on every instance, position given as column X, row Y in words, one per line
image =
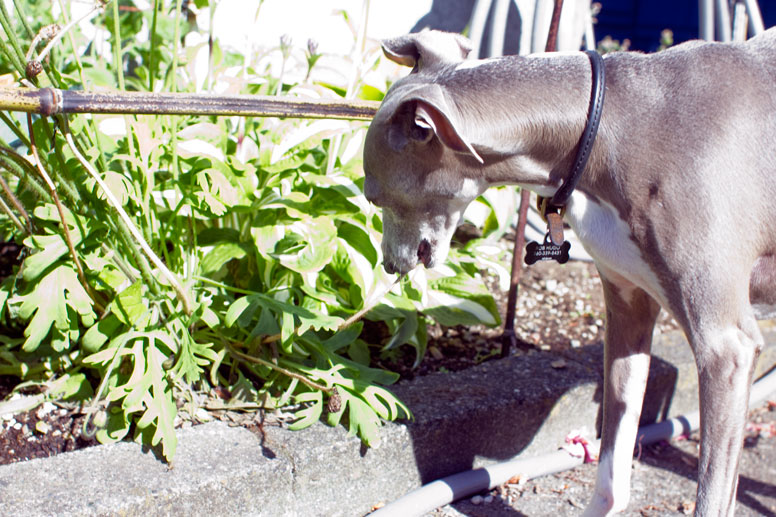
column 427, row 49
column 421, row 115
column 441, row 123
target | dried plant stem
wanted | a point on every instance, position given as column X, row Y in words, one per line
column 19, row 207
column 273, row 366
column 64, row 30
column 181, row 294
column 126, row 239
column 23, row 170
column 46, row 33
column 9, row 212
column 61, row 210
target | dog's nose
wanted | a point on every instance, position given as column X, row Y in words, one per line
column 390, row 267
column 424, row 253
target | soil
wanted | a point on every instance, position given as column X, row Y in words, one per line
column 41, row 432
column 559, row 307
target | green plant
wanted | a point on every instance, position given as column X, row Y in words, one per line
column 167, row 256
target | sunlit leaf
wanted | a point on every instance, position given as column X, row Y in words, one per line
column 319, row 245
column 130, row 307
column 52, row 248
column 310, row 414
column 160, row 406
column 459, row 300
column 47, row 304
column 221, row 253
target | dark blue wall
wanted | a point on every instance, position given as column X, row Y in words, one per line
column 642, row 21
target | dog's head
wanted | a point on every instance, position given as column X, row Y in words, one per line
column 419, row 167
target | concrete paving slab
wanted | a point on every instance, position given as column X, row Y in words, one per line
column 522, row 405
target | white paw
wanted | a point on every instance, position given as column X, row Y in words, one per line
column 603, row 506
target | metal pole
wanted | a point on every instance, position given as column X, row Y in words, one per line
column 740, row 22
column 706, row 19
column 756, row 25
column 477, row 25
column 723, row 21
column 498, row 28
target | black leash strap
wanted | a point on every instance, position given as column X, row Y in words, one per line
column 563, row 194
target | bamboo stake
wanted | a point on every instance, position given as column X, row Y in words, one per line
column 53, row 101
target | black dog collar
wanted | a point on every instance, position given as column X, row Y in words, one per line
column 563, row 194
column 555, row 247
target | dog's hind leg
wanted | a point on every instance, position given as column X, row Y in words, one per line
column 630, row 320
column 726, row 356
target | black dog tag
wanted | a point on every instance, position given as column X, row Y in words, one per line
column 535, row 252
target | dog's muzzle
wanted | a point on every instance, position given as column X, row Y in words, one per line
column 425, row 256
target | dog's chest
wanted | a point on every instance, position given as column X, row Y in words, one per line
column 608, row 240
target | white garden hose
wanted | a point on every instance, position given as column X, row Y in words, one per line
column 446, row 490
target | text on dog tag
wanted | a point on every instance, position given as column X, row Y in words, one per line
column 535, row 252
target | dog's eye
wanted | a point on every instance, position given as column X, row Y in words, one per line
column 421, row 132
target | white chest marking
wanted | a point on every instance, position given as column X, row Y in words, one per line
column 607, row 239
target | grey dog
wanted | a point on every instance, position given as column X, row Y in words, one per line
column 676, row 205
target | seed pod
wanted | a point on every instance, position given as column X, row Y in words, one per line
column 334, row 405
column 34, row 68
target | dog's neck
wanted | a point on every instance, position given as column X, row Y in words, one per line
column 533, row 141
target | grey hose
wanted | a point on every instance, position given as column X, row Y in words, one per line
column 446, row 490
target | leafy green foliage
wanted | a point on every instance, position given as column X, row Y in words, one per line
column 262, row 227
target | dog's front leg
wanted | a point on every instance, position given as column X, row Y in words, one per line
column 630, row 319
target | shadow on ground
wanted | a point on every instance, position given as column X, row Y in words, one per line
column 524, row 404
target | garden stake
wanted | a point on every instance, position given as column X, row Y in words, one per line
column 53, row 101
column 508, row 337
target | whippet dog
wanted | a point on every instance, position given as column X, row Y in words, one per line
column 676, row 205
